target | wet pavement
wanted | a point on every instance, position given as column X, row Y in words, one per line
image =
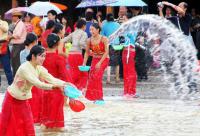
column 152, row 114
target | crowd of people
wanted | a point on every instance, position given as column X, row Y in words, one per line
column 35, row 58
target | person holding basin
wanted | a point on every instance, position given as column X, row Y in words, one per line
column 100, row 48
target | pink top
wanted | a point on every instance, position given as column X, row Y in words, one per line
column 19, row 33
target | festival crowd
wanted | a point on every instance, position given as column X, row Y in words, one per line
column 40, row 56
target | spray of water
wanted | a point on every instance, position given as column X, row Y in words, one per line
column 177, row 55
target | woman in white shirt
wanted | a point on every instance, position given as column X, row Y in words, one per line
column 16, row 117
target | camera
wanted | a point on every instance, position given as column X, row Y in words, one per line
column 160, row 4
column 122, row 39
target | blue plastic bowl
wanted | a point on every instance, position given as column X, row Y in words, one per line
column 117, row 47
column 84, row 68
column 72, row 92
column 99, row 102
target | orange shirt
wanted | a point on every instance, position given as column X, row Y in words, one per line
column 37, row 29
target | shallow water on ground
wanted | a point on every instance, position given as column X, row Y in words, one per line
column 133, row 117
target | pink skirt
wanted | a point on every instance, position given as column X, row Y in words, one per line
column 16, row 117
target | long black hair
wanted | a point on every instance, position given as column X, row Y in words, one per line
column 96, row 26
column 52, row 40
column 57, row 28
column 30, row 38
column 35, row 50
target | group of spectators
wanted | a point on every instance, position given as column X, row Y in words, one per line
column 23, row 24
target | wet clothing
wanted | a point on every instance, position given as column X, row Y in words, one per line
column 16, row 117
column 94, row 88
column 185, row 22
column 79, row 78
column 196, row 35
column 53, row 101
column 130, row 75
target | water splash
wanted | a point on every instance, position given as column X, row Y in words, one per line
column 177, row 55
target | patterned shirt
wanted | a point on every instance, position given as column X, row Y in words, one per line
column 28, row 76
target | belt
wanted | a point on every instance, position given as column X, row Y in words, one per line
column 129, row 49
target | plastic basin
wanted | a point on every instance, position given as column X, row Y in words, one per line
column 72, row 92
column 84, row 68
column 117, row 47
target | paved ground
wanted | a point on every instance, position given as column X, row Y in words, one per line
column 152, row 114
column 154, row 88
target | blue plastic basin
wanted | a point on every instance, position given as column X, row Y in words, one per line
column 72, row 92
column 84, row 68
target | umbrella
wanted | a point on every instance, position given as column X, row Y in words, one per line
column 60, row 6
column 134, row 3
column 41, row 8
column 94, row 3
column 8, row 14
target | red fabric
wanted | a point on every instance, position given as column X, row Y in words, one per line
column 94, row 88
column 56, row 66
column 130, row 76
column 97, row 49
column 44, row 37
column 53, row 114
column 3, row 47
column 16, row 118
column 36, row 104
column 68, row 30
column 53, row 100
column 78, row 78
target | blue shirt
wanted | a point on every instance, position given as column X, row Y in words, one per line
column 87, row 30
column 109, row 27
column 23, row 54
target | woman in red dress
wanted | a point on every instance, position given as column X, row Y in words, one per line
column 130, row 75
column 53, row 114
column 99, row 46
column 49, row 29
column 16, row 117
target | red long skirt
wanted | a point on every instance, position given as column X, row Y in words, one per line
column 16, row 117
column 53, row 112
column 78, row 78
column 130, row 76
column 36, row 104
column 94, row 88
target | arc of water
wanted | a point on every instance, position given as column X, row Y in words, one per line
column 177, row 54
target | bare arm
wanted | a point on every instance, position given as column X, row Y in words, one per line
column 160, row 9
column 60, row 49
column 177, row 8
